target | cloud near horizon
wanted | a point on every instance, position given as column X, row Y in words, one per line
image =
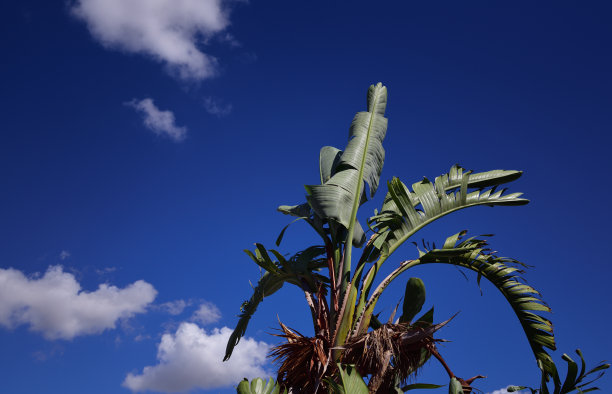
column 158, row 121
column 192, row 358
column 55, row 305
column 167, row 30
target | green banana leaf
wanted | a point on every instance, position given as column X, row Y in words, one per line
column 404, row 212
column 574, row 380
column 301, row 266
column 338, row 199
column 503, row 273
column 352, row 382
column 339, row 196
column 329, row 157
column 258, row 386
column 421, row 386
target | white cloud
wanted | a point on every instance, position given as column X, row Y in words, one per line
column 167, row 30
column 105, row 270
column 174, row 307
column 141, row 337
column 207, row 313
column 160, row 122
column 64, row 254
column 192, row 358
column 505, row 391
column 55, row 305
column 214, row 107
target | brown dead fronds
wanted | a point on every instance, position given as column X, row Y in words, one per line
column 392, row 351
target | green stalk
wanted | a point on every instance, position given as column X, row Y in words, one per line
column 349, row 311
column 369, row 306
column 367, row 283
column 369, row 278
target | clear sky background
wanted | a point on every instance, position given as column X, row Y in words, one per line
column 145, row 143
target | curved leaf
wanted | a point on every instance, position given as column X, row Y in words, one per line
column 362, row 160
column 268, row 284
column 573, row 380
column 300, row 266
column 404, row 212
column 279, row 239
column 503, row 273
column 302, row 211
column 421, row 386
column 329, row 157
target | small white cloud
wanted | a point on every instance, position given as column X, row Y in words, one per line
column 174, row 307
column 214, row 107
column 505, row 391
column 207, row 313
column 140, row 337
column 64, row 254
column 105, row 270
column 160, row 122
column 167, row 30
column 192, row 358
column 44, row 355
column 230, row 39
column 55, row 305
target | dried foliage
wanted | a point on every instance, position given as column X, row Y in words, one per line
column 303, row 360
column 392, row 351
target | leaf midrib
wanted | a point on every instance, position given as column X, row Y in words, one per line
column 349, row 237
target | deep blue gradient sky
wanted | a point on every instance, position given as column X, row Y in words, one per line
column 485, row 84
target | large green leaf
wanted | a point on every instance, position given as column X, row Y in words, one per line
column 404, row 212
column 258, row 386
column 362, row 160
column 329, row 157
column 302, row 212
column 317, row 224
column 352, row 382
column 503, row 273
column 366, row 135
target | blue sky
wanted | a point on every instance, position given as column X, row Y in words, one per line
column 146, row 143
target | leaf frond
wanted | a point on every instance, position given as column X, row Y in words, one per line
column 504, row 273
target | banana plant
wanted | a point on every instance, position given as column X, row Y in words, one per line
column 341, row 291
